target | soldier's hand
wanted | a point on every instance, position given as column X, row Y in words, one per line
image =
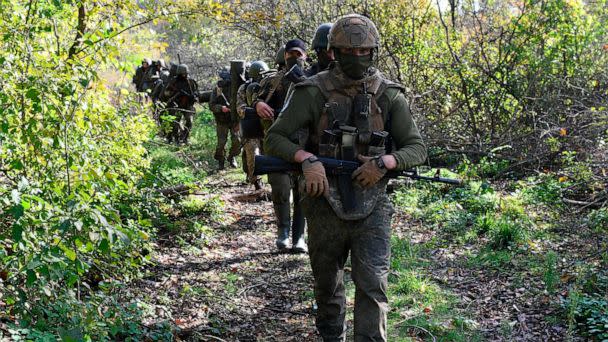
column 314, row 175
column 264, row 110
column 369, row 173
column 225, row 109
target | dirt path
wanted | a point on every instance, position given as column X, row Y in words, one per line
column 227, row 283
column 231, row 284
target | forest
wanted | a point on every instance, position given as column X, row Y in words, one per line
column 109, row 233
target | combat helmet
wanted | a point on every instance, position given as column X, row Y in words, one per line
column 182, row 70
column 173, row 69
column 224, row 73
column 257, row 68
column 353, row 31
column 280, row 57
column 319, row 42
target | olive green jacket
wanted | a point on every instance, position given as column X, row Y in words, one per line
column 303, row 109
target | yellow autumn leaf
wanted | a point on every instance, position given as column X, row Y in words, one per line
column 563, row 132
column 562, row 179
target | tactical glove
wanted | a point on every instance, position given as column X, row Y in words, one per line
column 314, row 175
column 370, row 172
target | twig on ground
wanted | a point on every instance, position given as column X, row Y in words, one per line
column 214, row 338
column 249, row 288
column 287, row 311
column 421, row 328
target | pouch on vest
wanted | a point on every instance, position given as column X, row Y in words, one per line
column 377, row 144
column 361, row 110
column 329, row 146
column 349, row 141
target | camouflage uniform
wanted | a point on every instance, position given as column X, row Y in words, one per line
column 150, row 76
column 245, row 96
column 251, row 147
column 140, row 72
column 364, row 231
column 273, row 90
column 224, row 125
column 180, row 94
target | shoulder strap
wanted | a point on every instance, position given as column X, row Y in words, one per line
column 275, row 82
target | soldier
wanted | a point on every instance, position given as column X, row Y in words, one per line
column 268, row 104
column 140, row 72
column 180, row 94
column 319, row 44
column 251, row 141
column 150, row 76
column 352, row 99
column 279, row 59
column 225, row 124
column 161, row 81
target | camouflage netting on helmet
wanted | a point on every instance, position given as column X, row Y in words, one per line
column 354, row 31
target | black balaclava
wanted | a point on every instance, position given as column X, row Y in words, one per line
column 291, row 61
column 323, row 58
column 354, row 67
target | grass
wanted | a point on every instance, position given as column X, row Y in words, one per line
column 420, row 308
column 507, row 229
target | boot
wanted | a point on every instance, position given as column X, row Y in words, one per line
column 232, row 162
column 297, row 230
column 220, row 164
column 282, row 212
column 258, row 184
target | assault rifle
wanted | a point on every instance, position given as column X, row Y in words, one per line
column 336, row 167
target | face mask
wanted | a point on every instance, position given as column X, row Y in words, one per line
column 354, row 66
column 291, row 61
column 324, row 59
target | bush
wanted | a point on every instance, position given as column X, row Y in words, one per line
column 597, row 220
column 506, row 232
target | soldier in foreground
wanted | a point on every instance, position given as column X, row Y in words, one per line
column 349, row 111
column 270, row 100
column 219, row 104
column 251, row 140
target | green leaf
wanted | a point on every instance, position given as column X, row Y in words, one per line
column 17, row 233
column 72, row 335
column 33, row 94
column 31, row 277
column 70, row 253
column 17, row 211
column 104, row 246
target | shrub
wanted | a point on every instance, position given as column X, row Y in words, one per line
column 598, row 220
column 507, row 232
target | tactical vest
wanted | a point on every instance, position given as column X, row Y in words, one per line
column 352, row 110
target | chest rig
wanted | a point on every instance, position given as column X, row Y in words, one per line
column 352, row 123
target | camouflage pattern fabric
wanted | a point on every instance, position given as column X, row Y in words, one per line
column 330, row 240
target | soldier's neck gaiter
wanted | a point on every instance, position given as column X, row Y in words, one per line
column 291, row 61
column 324, row 59
column 354, row 67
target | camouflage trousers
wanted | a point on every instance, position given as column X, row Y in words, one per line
column 251, row 148
column 181, row 125
column 330, row 240
column 222, row 131
column 284, row 189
